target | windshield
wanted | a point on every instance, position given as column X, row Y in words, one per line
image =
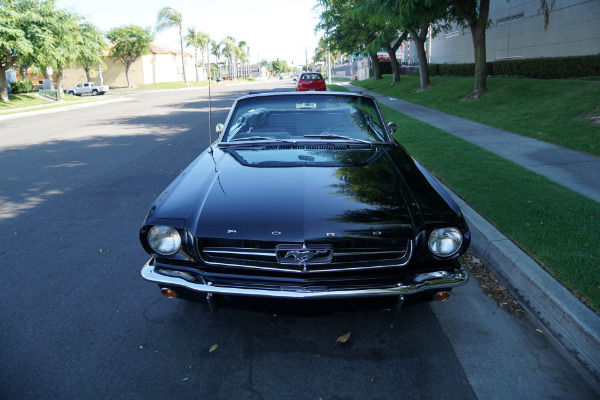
column 307, row 117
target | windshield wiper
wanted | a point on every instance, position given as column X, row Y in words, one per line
column 332, row 136
column 253, row 138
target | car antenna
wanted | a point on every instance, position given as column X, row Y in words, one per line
column 209, row 106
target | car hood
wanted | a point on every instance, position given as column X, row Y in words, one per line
column 298, row 203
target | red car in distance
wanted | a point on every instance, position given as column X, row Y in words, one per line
column 310, row 81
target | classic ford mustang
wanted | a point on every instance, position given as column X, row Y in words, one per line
column 305, row 198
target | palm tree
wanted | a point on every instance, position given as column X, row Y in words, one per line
column 243, row 46
column 199, row 40
column 217, row 52
column 169, row 18
column 228, row 49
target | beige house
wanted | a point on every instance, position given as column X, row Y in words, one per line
column 161, row 64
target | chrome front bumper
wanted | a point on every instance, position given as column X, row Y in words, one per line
column 430, row 281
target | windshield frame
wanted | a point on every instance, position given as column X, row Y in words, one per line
column 336, row 102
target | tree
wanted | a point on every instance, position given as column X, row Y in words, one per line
column 91, row 48
column 169, row 18
column 322, row 49
column 278, row 67
column 200, row 41
column 129, row 42
column 242, row 55
column 23, row 34
column 474, row 14
column 65, row 44
column 349, row 31
column 217, row 52
column 231, row 51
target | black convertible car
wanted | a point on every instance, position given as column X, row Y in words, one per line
column 305, row 199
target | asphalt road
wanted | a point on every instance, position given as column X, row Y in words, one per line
column 79, row 322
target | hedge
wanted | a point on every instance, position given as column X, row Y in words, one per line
column 21, row 87
column 540, row 68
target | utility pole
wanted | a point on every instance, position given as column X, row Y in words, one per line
column 328, row 65
column 306, row 57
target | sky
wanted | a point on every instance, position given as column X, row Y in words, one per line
column 271, row 28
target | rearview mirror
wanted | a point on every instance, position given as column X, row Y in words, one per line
column 219, row 128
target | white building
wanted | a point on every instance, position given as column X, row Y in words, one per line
column 517, row 31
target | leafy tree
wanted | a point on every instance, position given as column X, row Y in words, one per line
column 200, row 41
column 129, row 43
column 384, row 18
column 243, row 54
column 322, row 49
column 420, row 18
column 24, row 34
column 231, row 51
column 64, row 48
column 349, row 31
column 279, row 67
column 169, row 18
column 216, row 51
column 92, row 47
column 474, row 14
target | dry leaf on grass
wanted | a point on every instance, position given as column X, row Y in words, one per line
column 343, row 338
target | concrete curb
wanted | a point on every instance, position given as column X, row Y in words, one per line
column 572, row 327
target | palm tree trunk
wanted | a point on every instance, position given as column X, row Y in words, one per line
column 182, row 55
column 196, row 62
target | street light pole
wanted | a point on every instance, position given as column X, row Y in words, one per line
column 306, row 57
column 328, row 65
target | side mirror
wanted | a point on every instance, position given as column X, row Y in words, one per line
column 219, row 128
column 392, row 127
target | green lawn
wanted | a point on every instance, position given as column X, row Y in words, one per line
column 556, row 226
column 22, row 102
column 564, row 112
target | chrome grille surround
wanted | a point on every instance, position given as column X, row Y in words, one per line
column 263, row 255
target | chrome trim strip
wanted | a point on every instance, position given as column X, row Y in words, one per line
column 248, row 253
column 312, row 271
column 361, row 253
column 459, row 277
column 401, row 262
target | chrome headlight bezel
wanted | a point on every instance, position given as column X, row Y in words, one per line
column 164, row 240
column 445, row 242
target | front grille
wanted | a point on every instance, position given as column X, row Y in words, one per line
column 262, row 255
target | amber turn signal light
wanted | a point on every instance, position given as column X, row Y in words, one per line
column 441, row 296
column 168, row 293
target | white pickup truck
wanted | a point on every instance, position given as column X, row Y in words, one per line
column 87, row 88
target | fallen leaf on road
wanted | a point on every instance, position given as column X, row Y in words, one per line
column 343, row 338
column 213, row 348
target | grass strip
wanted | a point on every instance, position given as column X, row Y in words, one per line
column 565, row 112
column 337, row 88
column 556, row 226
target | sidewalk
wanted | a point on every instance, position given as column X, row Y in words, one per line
column 572, row 326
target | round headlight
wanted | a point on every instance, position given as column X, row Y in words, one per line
column 164, row 240
column 444, row 242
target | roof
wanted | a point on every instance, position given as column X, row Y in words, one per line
column 159, row 48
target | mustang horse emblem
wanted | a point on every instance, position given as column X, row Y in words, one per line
column 303, row 256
